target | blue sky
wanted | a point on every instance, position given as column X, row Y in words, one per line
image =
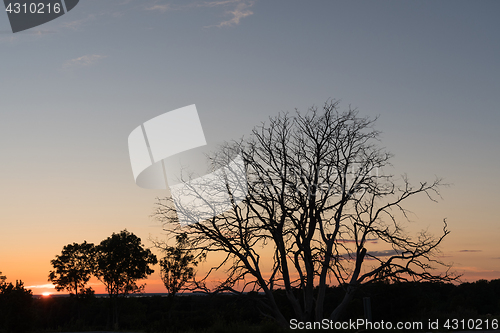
column 73, row 89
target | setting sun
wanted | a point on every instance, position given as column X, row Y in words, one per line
column 45, row 294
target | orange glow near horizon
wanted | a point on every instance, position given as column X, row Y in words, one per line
column 470, row 274
column 468, row 264
column 32, row 267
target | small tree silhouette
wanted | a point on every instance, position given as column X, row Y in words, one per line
column 15, row 307
column 122, row 260
column 73, row 267
column 177, row 267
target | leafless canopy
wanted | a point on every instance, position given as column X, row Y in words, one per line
column 317, row 196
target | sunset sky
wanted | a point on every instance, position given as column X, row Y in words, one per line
column 73, row 89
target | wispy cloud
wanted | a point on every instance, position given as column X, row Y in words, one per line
column 51, row 286
column 474, row 273
column 384, row 253
column 160, row 8
column 470, row 251
column 241, row 11
column 219, row 3
column 236, row 9
column 83, row 61
column 8, row 36
column 41, row 286
column 31, row 32
column 473, row 269
column 371, row 240
column 372, row 255
column 75, row 24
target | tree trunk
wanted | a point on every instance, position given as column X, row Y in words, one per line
column 335, row 315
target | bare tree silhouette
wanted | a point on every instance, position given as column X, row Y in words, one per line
column 317, row 195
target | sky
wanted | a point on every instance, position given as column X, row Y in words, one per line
column 73, row 89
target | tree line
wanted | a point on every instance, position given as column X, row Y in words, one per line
column 400, row 301
column 119, row 262
column 15, row 305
